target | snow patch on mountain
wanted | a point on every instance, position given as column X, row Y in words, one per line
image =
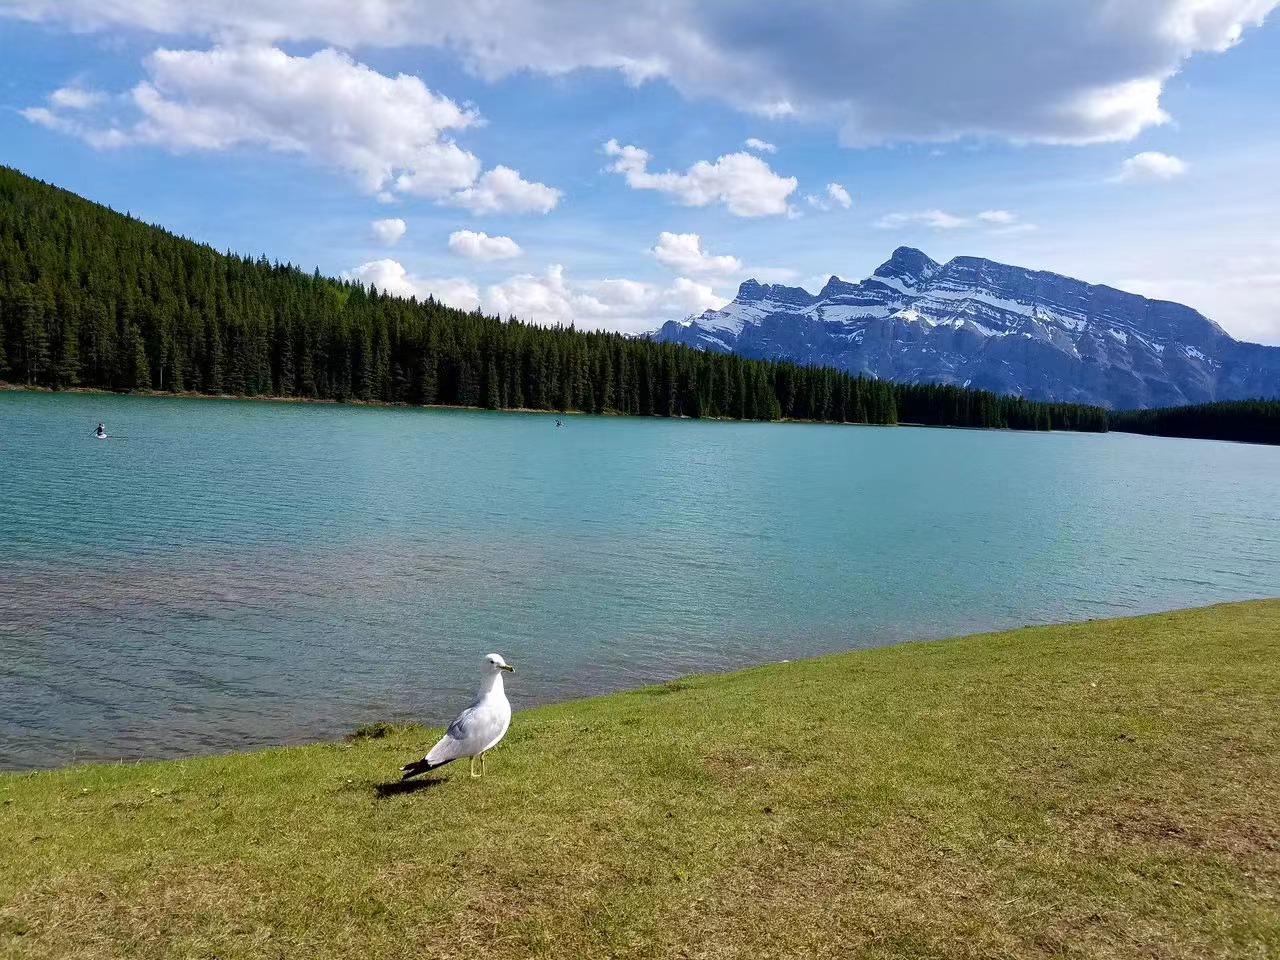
column 991, row 325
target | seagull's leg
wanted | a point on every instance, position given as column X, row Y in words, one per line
column 474, row 775
column 482, row 764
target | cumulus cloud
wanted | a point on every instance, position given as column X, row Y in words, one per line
column 1150, row 165
column 503, row 190
column 383, row 130
column 759, row 146
column 1005, row 220
column 685, row 297
column 1234, row 280
column 481, row 246
column 741, row 181
column 613, row 304
column 390, row 276
column 388, row 231
column 391, row 134
column 829, row 61
column 551, row 298
column 683, row 253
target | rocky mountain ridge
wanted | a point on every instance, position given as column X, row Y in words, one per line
column 975, row 322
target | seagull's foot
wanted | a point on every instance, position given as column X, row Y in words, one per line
column 474, row 775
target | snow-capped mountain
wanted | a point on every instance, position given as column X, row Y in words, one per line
column 979, row 323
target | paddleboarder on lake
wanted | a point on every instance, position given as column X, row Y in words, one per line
column 101, row 432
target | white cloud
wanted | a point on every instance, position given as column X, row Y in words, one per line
column 683, row 253
column 839, row 195
column 612, row 304
column 839, row 63
column 76, row 98
column 759, row 146
column 388, row 133
column 1000, row 221
column 503, row 190
column 785, row 275
column 937, row 219
column 99, row 138
column 327, row 106
column 456, row 292
column 685, row 297
column 835, row 196
column 388, row 231
column 551, row 298
column 1150, row 165
column 390, row 276
column 742, row 182
column 1240, row 292
column 1001, row 217
column 481, row 246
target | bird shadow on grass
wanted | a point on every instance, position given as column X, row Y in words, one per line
column 396, row 788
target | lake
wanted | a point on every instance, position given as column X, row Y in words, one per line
column 227, row 574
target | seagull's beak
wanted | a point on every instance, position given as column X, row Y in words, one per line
column 508, row 667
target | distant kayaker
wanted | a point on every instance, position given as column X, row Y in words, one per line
column 101, row 431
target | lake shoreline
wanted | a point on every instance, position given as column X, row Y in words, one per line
column 402, row 722
column 384, row 405
column 6, row 387
column 1126, row 770
column 268, row 398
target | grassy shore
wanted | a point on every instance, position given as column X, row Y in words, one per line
column 1109, row 789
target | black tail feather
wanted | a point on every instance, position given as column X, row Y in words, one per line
column 417, row 767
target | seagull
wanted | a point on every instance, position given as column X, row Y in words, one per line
column 478, row 728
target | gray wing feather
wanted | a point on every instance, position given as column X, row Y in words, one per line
column 473, row 729
column 464, row 724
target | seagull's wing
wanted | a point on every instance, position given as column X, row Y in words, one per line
column 474, row 729
column 459, row 738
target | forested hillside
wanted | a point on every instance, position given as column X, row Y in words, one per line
column 1253, row 421
column 91, row 297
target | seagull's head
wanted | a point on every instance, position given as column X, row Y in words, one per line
column 494, row 663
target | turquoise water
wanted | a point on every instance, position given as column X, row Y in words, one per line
column 227, row 574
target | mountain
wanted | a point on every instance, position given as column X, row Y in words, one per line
column 93, row 298
column 977, row 323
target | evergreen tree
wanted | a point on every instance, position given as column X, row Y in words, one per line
column 1248, row 421
column 493, row 387
column 88, row 296
column 26, row 333
column 66, row 359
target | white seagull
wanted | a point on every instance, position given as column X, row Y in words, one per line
column 477, row 729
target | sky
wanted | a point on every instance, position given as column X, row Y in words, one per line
column 616, row 165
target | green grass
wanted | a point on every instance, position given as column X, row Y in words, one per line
column 1109, row 789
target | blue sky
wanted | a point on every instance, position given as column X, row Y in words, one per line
column 1000, row 128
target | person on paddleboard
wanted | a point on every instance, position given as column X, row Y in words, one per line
column 101, row 431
